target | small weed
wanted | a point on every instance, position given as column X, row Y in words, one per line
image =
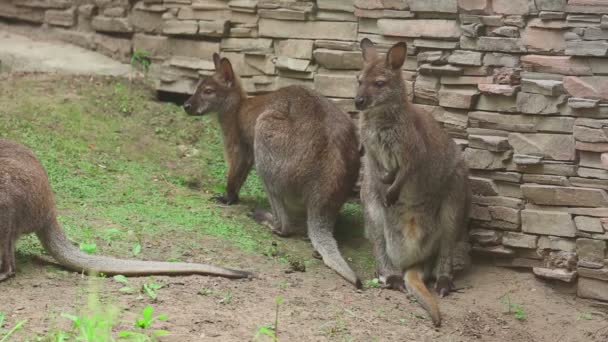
column 150, row 288
column 16, row 328
column 136, row 249
column 372, row 283
column 140, row 60
column 144, row 323
column 268, row 329
column 123, row 280
column 587, row 316
column 88, row 248
column 284, row 284
column 227, row 298
column 513, row 308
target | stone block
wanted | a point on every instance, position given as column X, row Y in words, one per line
column 439, row 70
column 505, row 31
column 551, row 5
column 510, row 6
column 485, row 160
column 247, row 45
column 597, row 273
column 294, row 48
column 192, row 48
column 506, row 214
column 457, row 97
column 499, row 89
column 591, row 253
column 569, row 196
column 113, row 25
column 586, row 48
column 426, row 90
column 438, row 6
column 588, row 224
column 544, row 40
column 551, row 146
column 490, row 143
column 555, row 273
column 463, row 57
column 146, row 21
column 216, row 28
column 564, row 65
column 336, row 84
column 556, row 243
column 539, row 104
column 593, row 87
column 336, row 59
column 308, row 29
column 547, row 223
column 551, row 15
column 473, row 6
column 64, row 18
column 496, row 103
column 591, row 135
column 543, row 87
column 519, row 240
column 500, row 44
column 156, row 46
column 283, row 14
column 180, row 27
column 420, row 28
column 117, row 48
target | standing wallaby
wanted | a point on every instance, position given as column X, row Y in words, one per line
column 305, row 151
column 27, row 206
column 415, row 190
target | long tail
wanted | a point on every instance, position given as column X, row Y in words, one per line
column 415, row 285
column 55, row 242
column 324, row 242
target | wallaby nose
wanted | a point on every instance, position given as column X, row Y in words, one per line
column 359, row 102
column 187, row 106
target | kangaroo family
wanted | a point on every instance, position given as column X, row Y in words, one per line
column 27, row 206
column 415, row 190
column 305, row 151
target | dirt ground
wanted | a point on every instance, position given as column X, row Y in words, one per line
column 317, row 306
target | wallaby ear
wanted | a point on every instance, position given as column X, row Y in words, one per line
column 216, row 60
column 226, row 71
column 368, row 50
column 395, row 57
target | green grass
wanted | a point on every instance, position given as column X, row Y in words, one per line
column 115, row 160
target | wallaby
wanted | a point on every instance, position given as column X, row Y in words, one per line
column 27, row 206
column 415, row 190
column 305, row 151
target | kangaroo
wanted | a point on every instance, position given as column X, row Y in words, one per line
column 415, row 190
column 27, row 206
column 305, row 151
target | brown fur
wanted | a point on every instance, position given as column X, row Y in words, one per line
column 27, row 206
column 415, row 190
column 305, row 151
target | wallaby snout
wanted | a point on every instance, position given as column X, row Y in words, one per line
column 360, row 102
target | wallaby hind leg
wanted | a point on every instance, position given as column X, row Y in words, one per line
column 7, row 256
column 320, row 232
column 282, row 224
column 388, row 274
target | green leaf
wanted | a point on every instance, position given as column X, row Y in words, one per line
column 70, row 317
column 121, row 279
column 147, row 312
column 2, row 317
column 127, row 290
column 150, row 292
column 161, row 333
column 136, row 249
column 126, row 334
column 88, row 248
column 278, row 300
column 162, row 317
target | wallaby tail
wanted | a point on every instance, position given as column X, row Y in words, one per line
column 415, row 285
column 55, row 242
column 323, row 241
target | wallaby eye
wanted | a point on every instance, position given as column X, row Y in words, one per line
column 208, row 91
column 379, row 84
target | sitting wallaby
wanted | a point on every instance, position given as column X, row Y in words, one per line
column 305, row 151
column 415, row 190
column 27, row 206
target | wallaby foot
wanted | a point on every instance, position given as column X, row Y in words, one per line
column 262, row 216
column 393, row 282
column 317, row 255
column 225, row 199
column 444, row 286
column 6, row 275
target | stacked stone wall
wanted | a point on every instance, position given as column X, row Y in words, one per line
column 522, row 85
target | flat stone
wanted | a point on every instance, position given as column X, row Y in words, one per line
column 557, row 274
column 582, row 103
column 473, row 6
column 433, row 57
column 420, row 28
column 498, row 89
column 146, row 21
column 505, row 31
column 191, row 48
column 496, row 103
column 551, row 15
column 550, row 5
column 505, row 214
column 117, row 48
column 592, row 173
column 592, row 147
column 294, row 48
column 539, row 104
column 591, row 135
column 426, row 90
column 336, row 59
column 547, row 223
column 439, row 6
column 588, row 183
column 217, row 28
column 597, row 273
column 595, row 33
column 499, row 251
column 485, row 237
column 247, row 45
column 336, row 5
column 498, row 201
column 467, row 80
column 283, row 14
column 554, row 195
column 543, row 87
column 107, row 24
column 473, row 30
column 156, row 46
column 593, row 87
column 590, row 159
column 526, row 159
column 500, row 44
column 588, row 224
column 561, row 259
column 435, row 44
column 517, row 262
column 263, row 63
column 180, row 27
column 342, row 16
column 500, row 59
column 519, row 240
column 463, row 57
column 64, row 18
column 490, row 143
column 591, row 253
column 293, row 64
column 439, row 70
column 546, row 179
column 336, row 85
column 486, row 160
column 556, row 243
column 457, row 97
column 510, row 6
column 564, row 65
column 552, row 146
column 586, row 48
column 308, row 29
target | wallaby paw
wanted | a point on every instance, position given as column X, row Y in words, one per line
column 393, row 282
column 317, row 255
column 280, row 233
column 444, row 286
column 6, row 275
column 225, row 199
column 261, row 216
